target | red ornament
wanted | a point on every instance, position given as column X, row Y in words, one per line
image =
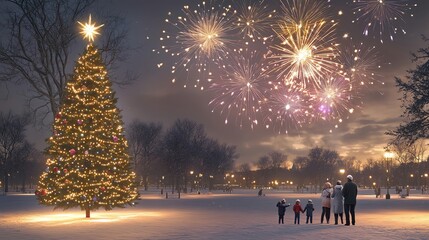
column 64, row 121
column 79, row 121
column 58, row 115
column 102, row 188
column 65, row 171
column 72, row 152
column 37, row 192
column 115, row 138
column 43, row 192
column 55, row 169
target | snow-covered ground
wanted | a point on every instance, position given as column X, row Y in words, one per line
column 217, row 215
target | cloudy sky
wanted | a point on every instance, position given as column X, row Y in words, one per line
column 153, row 97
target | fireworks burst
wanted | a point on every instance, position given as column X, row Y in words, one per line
column 240, row 89
column 359, row 64
column 254, row 20
column 334, row 98
column 299, row 12
column 283, row 70
column 202, row 38
column 307, row 53
column 287, row 107
column 384, row 16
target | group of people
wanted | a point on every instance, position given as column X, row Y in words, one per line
column 339, row 197
column 282, row 205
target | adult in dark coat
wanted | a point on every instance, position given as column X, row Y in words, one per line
column 282, row 205
column 350, row 194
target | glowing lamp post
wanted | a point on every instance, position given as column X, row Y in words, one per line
column 388, row 155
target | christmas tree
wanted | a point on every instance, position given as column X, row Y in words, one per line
column 88, row 164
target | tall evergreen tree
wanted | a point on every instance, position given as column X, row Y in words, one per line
column 415, row 100
column 88, row 164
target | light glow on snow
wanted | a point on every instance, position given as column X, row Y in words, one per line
column 79, row 217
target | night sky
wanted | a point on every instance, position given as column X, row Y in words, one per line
column 154, row 98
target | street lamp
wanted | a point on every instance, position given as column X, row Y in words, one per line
column 388, row 155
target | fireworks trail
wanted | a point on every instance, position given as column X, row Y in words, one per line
column 240, row 89
column 384, row 16
column 202, row 38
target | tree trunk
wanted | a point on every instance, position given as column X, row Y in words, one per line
column 88, row 213
column 146, row 182
column 6, row 183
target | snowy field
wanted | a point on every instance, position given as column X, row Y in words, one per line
column 217, row 215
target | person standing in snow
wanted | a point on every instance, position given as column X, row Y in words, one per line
column 309, row 208
column 282, row 205
column 350, row 193
column 297, row 209
column 326, row 202
column 338, row 204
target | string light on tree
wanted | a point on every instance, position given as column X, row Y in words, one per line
column 88, row 165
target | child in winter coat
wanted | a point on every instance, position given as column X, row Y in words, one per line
column 297, row 209
column 309, row 209
column 282, row 205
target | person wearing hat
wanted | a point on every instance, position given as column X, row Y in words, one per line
column 309, row 209
column 338, row 203
column 350, row 193
column 297, row 209
column 282, row 209
column 326, row 202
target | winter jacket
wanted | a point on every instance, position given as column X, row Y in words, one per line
column 337, row 195
column 326, row 197
column 297, row 208
column 309, row 209
column 282, row 208
column 350, row 192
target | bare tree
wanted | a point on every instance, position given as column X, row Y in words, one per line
column 246, row 172
column 182, row 146
column 217, row 160
column 31, row 166
column 145, row 140
column 263, row 163
column 36, row 44
column 244, row 168
column 12, row 143
column 322, row 164
column 300, row 162
column 277, row 159
column 20, row 159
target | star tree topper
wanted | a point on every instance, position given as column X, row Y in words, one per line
column 89, row 30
